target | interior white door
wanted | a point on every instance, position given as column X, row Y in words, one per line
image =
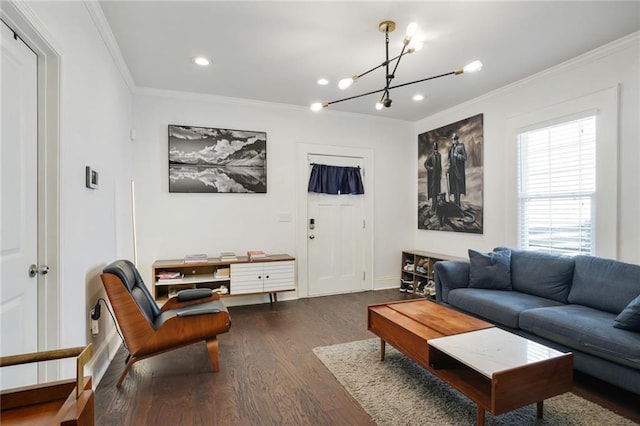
column 18, row 237
column 335, row 245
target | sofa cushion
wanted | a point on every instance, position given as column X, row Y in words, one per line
column 541, row 274
column 629, row 318
column 501, row 307
column 584, row 329
column 604, row 284
column 490, row 270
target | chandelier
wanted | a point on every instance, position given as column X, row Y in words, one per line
column 385, row 101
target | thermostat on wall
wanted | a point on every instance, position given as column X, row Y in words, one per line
column 91, row 178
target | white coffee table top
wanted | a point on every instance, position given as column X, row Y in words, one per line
column 493, row 349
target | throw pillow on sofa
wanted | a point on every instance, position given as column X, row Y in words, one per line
column 629, row 318
column 490, row 270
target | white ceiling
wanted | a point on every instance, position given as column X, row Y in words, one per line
column 275, row 51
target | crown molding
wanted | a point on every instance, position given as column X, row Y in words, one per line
column 227, row 100
column 99, row 20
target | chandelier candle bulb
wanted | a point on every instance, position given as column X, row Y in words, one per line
column 411, row 31
column 345, row 83
column 472, row 67
column 317, row 106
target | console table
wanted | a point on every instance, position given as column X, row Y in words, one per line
column 270, row 275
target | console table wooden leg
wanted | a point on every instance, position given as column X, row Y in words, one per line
column 539, row 409
column 273, row 300
column 480, row 416
column 382, row 348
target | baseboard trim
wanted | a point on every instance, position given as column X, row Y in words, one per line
column 103, row 356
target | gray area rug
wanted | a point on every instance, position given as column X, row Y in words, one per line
column 398, row 391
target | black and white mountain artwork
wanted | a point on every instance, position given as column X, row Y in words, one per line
column 203, row 159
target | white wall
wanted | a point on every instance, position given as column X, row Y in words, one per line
column 170, row 225
column 604, row 68
column 96, row 113
column 95, row 110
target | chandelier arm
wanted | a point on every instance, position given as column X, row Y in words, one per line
column 399, row 58
column 371, row 70
column 423, row 79
column 357, row 96
column 382, row 65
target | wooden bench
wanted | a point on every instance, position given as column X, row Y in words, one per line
column 65, row 402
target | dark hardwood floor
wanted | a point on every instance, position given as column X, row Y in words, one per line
column 268, row 373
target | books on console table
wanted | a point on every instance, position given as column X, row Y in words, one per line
column 228, row 256
column 256, row 254
column 195, row 258
column 169, row 277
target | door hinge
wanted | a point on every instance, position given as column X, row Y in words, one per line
column 363, row 275
column 364, row 223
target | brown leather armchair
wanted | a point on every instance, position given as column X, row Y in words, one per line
column 191, row 316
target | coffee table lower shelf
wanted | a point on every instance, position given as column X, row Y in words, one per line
column 509, row 389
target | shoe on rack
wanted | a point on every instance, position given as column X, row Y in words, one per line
column 405, row 284
column 431, row 288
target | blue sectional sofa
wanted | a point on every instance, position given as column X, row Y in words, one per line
column 583, row 304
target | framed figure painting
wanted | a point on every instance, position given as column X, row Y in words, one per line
column 204, row 159
column 450, row 177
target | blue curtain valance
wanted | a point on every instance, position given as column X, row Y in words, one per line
column 326, row 179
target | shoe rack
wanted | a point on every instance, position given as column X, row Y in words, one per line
column 417, row 273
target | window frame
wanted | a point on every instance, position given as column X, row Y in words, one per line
column 605, row 104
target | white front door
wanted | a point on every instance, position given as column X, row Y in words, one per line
column 18, row 182
column 336, row 239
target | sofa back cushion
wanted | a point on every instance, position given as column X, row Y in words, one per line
column 604, row 284
column 490, row 270
column 541, row 274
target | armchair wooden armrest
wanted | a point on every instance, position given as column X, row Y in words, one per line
column 174, row 303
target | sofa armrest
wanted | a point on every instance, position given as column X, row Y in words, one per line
column 450, row 274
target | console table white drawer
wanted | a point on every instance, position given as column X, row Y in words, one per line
column 262, row 277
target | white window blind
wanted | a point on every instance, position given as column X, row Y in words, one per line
column 557, row 182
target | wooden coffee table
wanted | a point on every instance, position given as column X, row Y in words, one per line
column 497, row 370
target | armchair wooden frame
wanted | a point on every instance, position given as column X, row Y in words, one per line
column 176, row 324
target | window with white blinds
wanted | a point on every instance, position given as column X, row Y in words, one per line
column 557, row 183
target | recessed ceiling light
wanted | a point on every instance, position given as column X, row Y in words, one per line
column 418, row 97
column 201, row 60
column 323, row 81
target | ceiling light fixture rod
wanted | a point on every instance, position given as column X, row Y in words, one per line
column 424, row 79
column 356, row 96
column 385, row 63
column 385, row 89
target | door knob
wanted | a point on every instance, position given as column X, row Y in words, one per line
column 34, row 270
column 311, row 237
